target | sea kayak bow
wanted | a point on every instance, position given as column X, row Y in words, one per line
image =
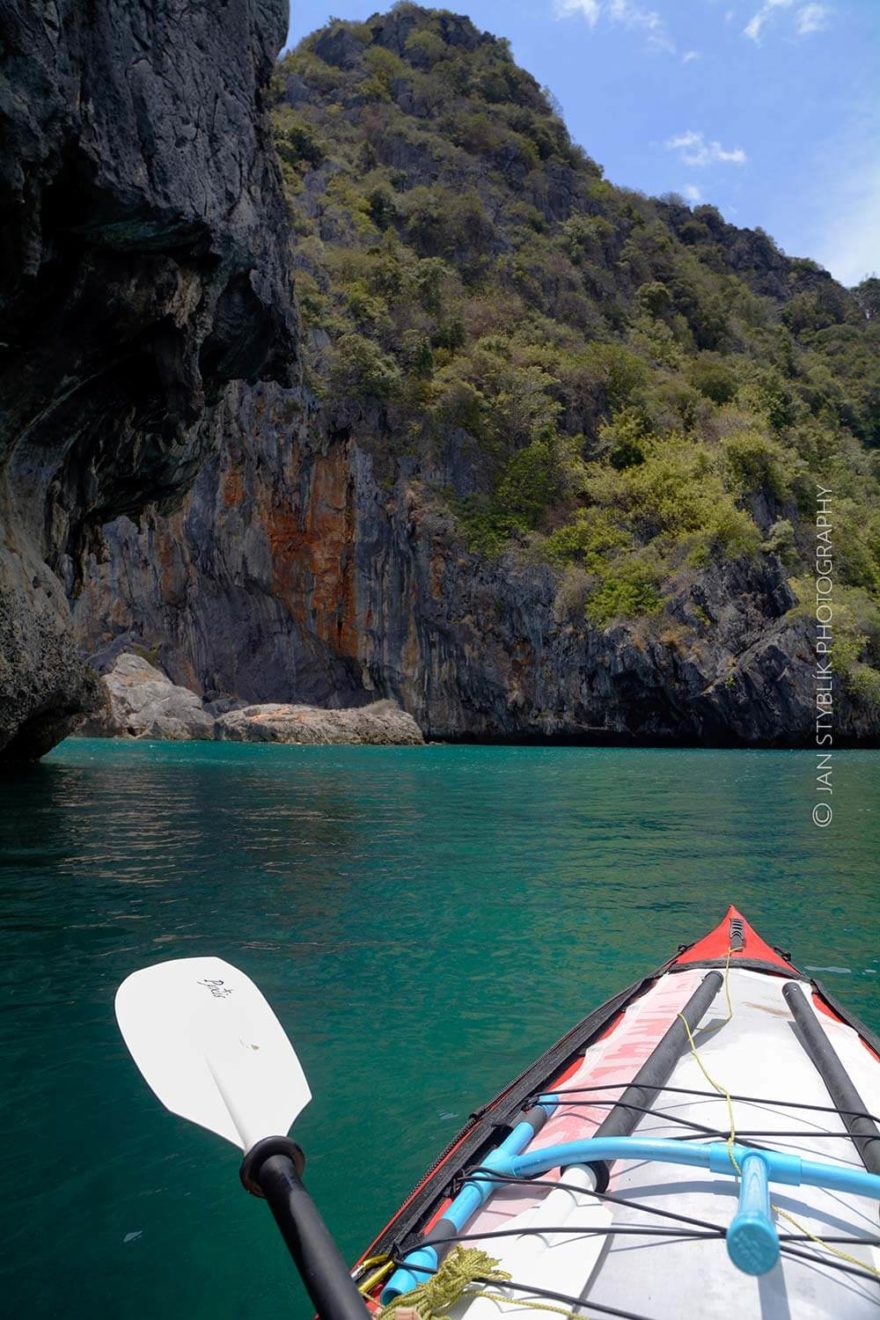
column 705, row 1144
column 702, row 1144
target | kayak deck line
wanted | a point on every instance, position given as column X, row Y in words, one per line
column 693, row 1091
column 751, row 1239
column 717, row 1230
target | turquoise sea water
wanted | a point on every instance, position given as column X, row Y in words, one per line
column 423, row 920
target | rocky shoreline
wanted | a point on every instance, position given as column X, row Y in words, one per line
column 141, row 703
column 304, row 578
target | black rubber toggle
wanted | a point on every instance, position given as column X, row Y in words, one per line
column 257, row 1155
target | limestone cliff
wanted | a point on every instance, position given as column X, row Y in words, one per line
column 293, row 573
column 549, row 467
column 552, row 469
column 144, row 267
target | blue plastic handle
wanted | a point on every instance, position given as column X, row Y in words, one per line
column 752, row 1243
column 422, row 1262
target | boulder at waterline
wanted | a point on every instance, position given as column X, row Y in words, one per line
column 380, row 723
column 143, row 703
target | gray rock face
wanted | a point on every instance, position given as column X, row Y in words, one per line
column 297, row 571
column 247, row 589
column 143, row 703
column 140, row 210
column 44, row 685
column 380, row 723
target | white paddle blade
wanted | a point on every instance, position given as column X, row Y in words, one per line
column 211, row 1049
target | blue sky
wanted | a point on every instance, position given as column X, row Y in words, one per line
column 769, row 109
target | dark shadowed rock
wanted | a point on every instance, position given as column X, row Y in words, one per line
column 142, row 271
column 44, row 685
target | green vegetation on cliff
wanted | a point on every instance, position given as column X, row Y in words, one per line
column 630, row 388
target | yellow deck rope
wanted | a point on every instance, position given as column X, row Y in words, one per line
column 462, row 1268
column 457, row 1272
column 533, row 1305
column 826, row 1246
column 722, row 1090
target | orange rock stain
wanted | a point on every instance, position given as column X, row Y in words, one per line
column 313, row 554
column 233, row 489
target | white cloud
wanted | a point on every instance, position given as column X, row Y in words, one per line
column 690, row 55
column 588, row 9
column 756, row 23
column 692, row 192
column 808, row 18
column 626, row 13
column 634, row 16
column 812, row 18
column 695, row 150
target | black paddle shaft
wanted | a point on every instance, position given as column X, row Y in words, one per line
column 317, row 1257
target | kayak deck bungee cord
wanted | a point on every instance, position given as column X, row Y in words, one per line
column 705, row 1143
